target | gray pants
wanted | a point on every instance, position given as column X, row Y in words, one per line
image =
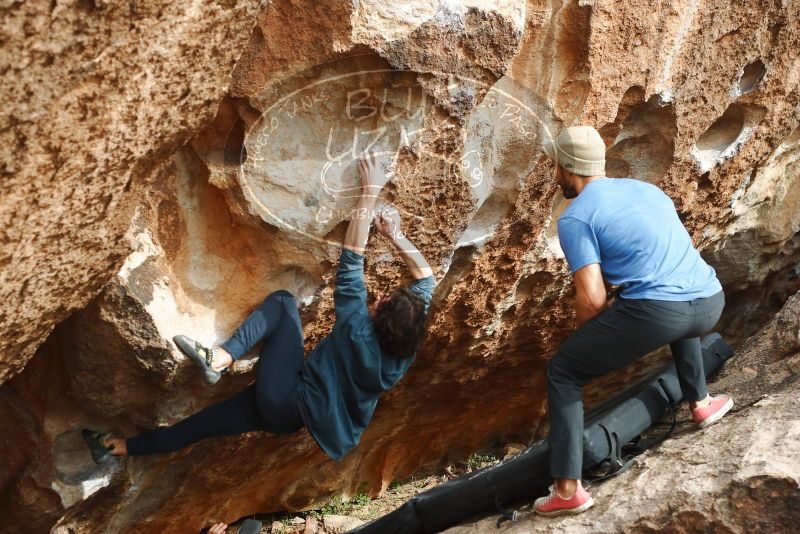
column 621, row 334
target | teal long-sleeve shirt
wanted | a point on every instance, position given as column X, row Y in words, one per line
column 346, row 372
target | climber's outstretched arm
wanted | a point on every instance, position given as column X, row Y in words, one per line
column 387, row 223
column 373, row 178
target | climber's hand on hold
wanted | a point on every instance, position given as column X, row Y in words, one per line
column 373, row 172
column 373, row 177
column 387, row 223
column 218, row 528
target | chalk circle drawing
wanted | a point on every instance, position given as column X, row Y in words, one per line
column 300, row 157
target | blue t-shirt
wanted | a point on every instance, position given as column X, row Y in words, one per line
column 632, row 230
column 346, row 372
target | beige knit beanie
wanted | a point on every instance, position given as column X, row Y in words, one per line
column 580, row 150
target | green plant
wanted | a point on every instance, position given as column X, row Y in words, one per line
column 477, row 460
column 338, row 506
column 335, row 506
column 360, row 500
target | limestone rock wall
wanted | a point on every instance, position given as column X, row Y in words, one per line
column 105, row 92
column 223, row 139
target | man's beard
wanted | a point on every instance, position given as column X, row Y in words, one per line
column 568, row 191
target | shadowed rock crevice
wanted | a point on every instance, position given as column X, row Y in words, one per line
column 221, row 144
column 757, row 258
column 633, row 97
column 723, row 138
column 751, row 77
column 77, row 476
column 58, row 473
column 644, row 148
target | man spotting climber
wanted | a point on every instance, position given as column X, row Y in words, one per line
column 334, row 391
column 625, row 233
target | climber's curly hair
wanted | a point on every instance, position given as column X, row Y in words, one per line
column 400, row 323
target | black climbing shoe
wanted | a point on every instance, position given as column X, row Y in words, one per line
column 200, row 355
column 100, row 453
column 250, row 526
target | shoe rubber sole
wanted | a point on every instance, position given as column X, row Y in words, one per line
column 710, row 420
column 567, row 511
column 100, row 453
column 186, row 346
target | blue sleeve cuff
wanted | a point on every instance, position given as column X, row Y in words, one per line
column 350, row 260
column 579, row 267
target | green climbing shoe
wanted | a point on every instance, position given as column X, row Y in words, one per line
column 201, row 355
column 100, row 453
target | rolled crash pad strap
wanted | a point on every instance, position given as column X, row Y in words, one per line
column 506, row 514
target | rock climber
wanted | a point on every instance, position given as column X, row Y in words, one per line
column 624, row 234
column 334, row 391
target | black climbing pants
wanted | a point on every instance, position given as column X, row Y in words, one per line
column 621, row 334
column 269, row 404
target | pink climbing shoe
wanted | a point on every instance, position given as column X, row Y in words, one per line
column 554, row 504
column 708, row 415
